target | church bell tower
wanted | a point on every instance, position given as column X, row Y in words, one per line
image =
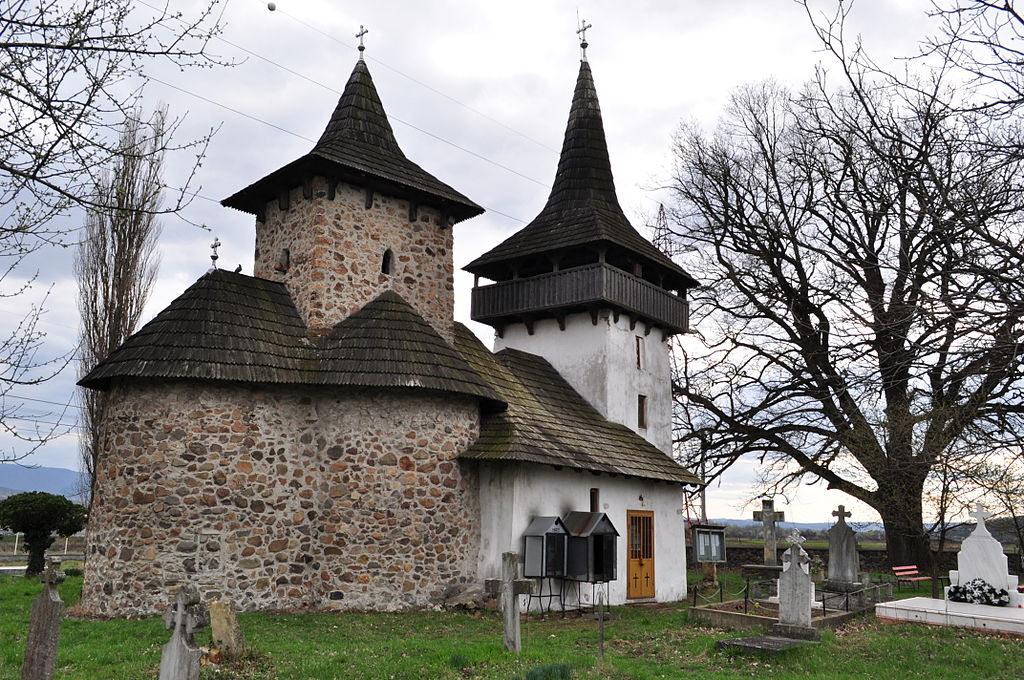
column 582, row 288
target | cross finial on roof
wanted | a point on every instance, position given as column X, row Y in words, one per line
column 362, row 31
column 582, row 33
column 213, row 246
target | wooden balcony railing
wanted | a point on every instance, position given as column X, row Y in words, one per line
column 591, row 286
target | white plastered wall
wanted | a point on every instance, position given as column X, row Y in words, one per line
column 512, row 494
column 599, row 361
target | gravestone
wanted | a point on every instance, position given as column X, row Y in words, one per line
column 508, row 589
column 843, row 558
column 768, row 517
column 796, row 593
column 225, row 631
column 180, row 657
column 44, row 627
column 981, row 557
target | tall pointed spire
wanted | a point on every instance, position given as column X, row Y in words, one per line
column 358, row 143
column 582, row 211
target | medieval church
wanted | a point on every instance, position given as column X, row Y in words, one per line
column 323, row 434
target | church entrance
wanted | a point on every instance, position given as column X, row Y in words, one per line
column 640, row 562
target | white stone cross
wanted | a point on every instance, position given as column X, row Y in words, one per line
column 795, row 538
column 980, row 515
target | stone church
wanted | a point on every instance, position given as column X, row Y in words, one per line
column 323, row 434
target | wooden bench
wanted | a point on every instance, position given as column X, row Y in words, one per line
column 908, row 574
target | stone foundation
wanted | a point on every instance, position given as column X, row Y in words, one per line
column 282, row 498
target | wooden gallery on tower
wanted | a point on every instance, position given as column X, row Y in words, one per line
column 323, row 434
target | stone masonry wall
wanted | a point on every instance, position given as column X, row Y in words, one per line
column 336, row 248
column 282, row 498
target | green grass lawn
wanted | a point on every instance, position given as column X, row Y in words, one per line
column 642, row 643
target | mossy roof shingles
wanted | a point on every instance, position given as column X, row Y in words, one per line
column 358, row 145
column 548, row 422
column 236, row 328
column 583, row 208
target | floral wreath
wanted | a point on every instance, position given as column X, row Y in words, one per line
column 977, row 591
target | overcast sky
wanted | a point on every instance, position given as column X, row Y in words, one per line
column 478, row 94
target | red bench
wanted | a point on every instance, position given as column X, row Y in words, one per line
column 908, row 574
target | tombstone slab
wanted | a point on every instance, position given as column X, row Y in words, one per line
column 225, row 631
column 40, row 658
column 796, row 593
column 843, row 557
column 768, row 517
column 179, row 659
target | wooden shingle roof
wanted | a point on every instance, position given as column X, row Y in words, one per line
column 359, row 146
column 231, row 327
column 548, row 422
column 583, row 208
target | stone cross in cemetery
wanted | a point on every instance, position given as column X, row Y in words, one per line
column 508, row 589
column 180, row 657
column 225, row 631
column 44, row 627
column 843, row 558
column 796, row 593
column 769, row 517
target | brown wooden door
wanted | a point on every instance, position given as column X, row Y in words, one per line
column 640, row 557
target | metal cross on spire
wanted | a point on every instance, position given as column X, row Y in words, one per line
column 213, row 246
column 582, row 33
column 362, row 31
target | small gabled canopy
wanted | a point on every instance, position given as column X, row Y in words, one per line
column 542, row 526
column 582, row 524
column 548, row 423
column 582, row 209
column 358, row 146
column 230, row 327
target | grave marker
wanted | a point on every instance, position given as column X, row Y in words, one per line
column 767, row 516
column 843, row 558
column 225, row 631
column 508, row 589
column 44, row 627
column 796, row 593
column 180, row 657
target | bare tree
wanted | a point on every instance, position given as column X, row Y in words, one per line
column 116, row 263
column 984, row 38
column 71, row 73
column 860, row 247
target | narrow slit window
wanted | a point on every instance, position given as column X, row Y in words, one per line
column 641, row 411
column 385, row 262
column 639, row 352
column 284, row 261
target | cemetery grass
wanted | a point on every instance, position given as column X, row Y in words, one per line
column 642, row 643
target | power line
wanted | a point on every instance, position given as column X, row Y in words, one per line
column 295, row 134
column 420, row 83
column 42, row 401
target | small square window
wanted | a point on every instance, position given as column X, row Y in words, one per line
column 641, row 411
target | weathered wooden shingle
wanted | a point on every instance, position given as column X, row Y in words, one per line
column 359, row 146
column 549, row 423
column 582, row 209
column 235, row 328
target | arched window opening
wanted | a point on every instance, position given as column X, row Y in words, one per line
column 385, row 262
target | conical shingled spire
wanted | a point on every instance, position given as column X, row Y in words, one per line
column 582, row 208
column 358, row 144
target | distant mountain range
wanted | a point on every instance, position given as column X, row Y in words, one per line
column 18, row 478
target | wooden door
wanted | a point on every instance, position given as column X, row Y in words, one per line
column 640, row 554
